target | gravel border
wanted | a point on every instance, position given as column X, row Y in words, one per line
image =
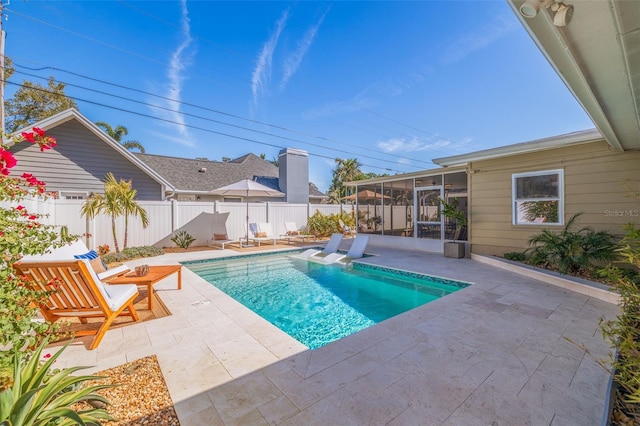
column 141, row 397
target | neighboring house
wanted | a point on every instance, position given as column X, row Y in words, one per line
column 194, row 180
column 85, row 154
column 81, row 160
column 513, row 192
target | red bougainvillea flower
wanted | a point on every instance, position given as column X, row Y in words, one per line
column 20, row 208
column 29, row 137
column 38, row 131
column 7, row 161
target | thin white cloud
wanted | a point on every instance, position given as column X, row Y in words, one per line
column 292, row 62
column 414, row 145
column 181, row 60
column 359, row 102
column 262, row 71
column 472, row 42
column 179, row 139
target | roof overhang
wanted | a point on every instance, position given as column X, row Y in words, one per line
column 403, row 176
column 570, row 139
column 597, row 55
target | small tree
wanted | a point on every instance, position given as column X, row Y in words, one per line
column 131, row 208
column 33, row 102
column 118, row 200
column 454, row 214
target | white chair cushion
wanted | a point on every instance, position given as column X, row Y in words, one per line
column 65, row 252
column 119, row 294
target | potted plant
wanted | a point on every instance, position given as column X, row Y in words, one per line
column 450, row 210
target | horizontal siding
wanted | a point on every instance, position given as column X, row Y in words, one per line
column 596, row 182
column 80, row 162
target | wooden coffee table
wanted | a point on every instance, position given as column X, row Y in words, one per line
column 156, row 273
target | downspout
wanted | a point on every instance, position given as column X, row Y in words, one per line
column 469, row 172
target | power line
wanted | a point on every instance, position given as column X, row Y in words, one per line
column 190, row 126
column 213, row 111
column 230, row 75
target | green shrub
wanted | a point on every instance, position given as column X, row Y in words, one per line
column 132, row 253
column 571, row 251
column 320, row 225
column 183, row 239
column 515, row 255
column 624, row 332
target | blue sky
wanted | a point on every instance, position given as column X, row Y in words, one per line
column 393, row 84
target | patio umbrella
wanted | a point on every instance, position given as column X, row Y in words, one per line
column 247, row 188
column 366, row 195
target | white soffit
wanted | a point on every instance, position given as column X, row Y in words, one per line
column 597, row 55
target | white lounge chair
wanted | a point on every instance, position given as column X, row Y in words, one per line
column 346, row 230
column 331, row 247
column 355, row 252
column 220, row 237
column 262, row 232
column 293, row 233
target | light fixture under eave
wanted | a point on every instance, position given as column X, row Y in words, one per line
column 530, row 8
column 564, row 13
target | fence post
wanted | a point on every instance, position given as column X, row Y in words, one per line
column 174, row 215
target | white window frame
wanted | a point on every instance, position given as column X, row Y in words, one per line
column 559, row 198
column 73, row 195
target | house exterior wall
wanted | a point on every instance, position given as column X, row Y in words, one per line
column 80, row 162
column 596, row 183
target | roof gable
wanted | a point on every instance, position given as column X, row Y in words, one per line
column 73, row 114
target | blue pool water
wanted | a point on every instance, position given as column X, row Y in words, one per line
column 317, row 304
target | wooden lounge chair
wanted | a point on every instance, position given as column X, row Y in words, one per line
column 293, row 233
column 76, row 291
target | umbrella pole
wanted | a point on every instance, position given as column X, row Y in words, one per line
column 247, row 218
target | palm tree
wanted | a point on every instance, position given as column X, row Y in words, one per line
column 118, row 200
column 117, row 135
column 131, row 208
column 345, row 171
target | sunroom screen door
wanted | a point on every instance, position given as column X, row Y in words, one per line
column 428, row 217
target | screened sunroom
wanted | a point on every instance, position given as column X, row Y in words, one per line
column 404, row 211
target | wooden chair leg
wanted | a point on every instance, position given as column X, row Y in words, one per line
column 102, row 330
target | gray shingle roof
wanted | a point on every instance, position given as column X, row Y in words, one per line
column 187, row 174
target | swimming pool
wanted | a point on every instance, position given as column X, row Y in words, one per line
column 317, row 304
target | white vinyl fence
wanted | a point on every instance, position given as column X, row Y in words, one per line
column 167, row 217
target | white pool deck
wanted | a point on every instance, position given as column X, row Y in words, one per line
column 495, row 353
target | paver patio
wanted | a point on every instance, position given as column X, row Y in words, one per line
column 495, row 353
